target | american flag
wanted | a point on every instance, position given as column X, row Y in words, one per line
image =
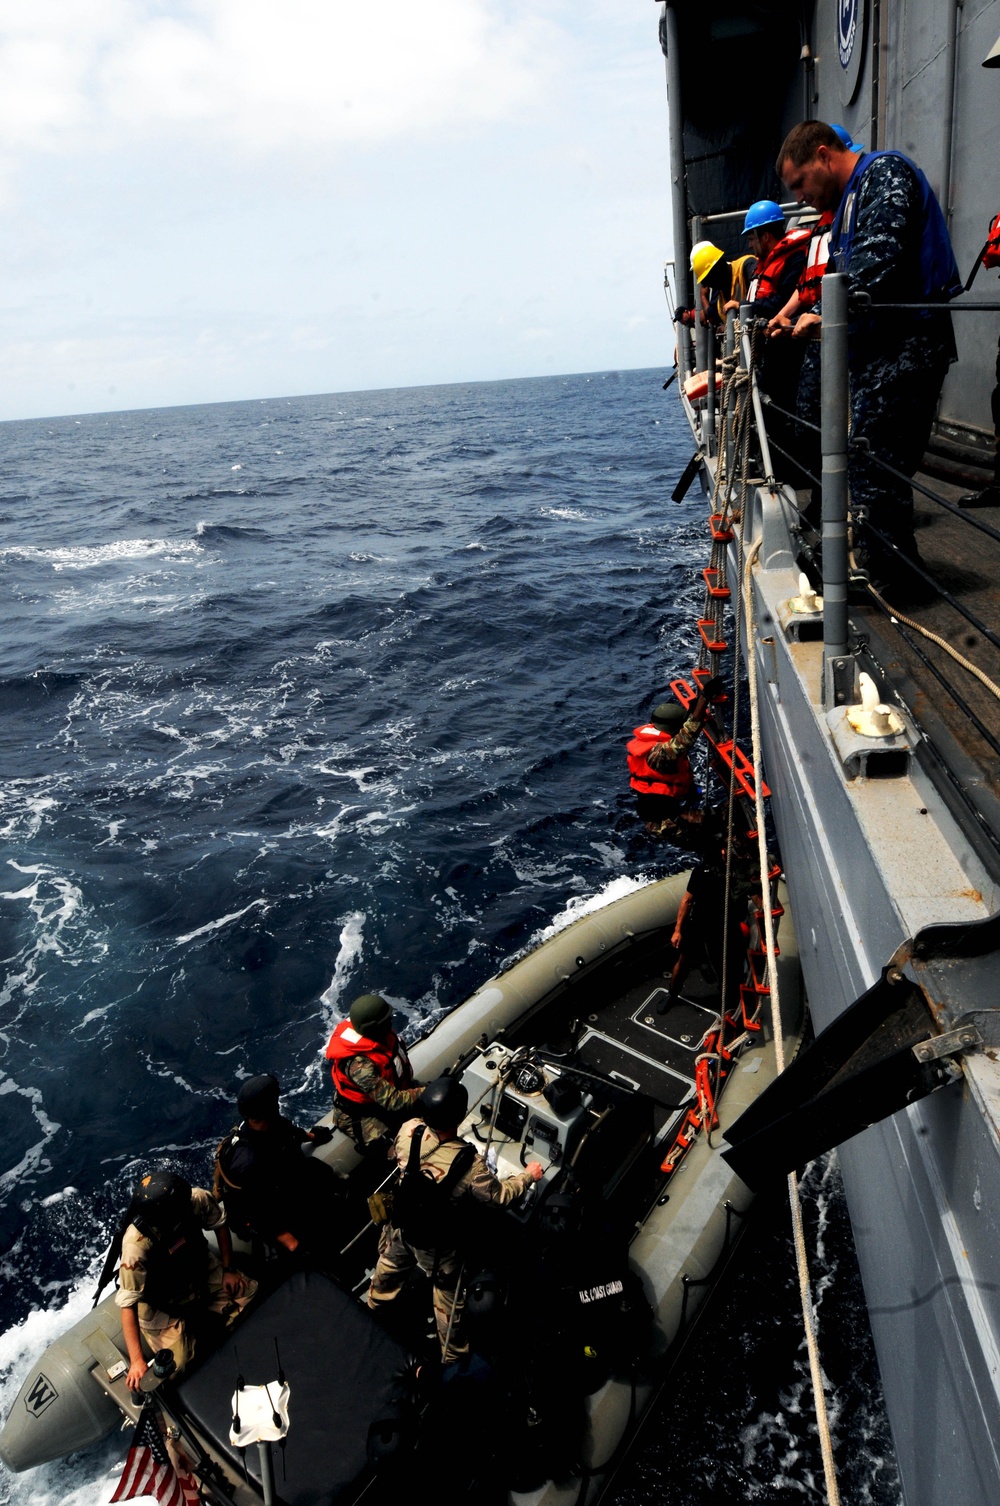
column 148, row 1470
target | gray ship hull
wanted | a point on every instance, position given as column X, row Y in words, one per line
column 866, row 871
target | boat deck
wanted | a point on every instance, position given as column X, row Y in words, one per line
column 626, row 1038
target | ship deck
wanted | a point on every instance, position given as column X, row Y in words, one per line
column 958, row 714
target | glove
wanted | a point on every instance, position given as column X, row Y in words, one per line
column 322, row 1134
column 713, row 687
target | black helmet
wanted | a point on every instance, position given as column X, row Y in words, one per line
column 162, row 1198
column 258, row 1097
column 370, row 1013
column 444, row 1103
column 669, row 716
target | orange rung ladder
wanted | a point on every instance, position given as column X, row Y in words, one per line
column 711, row 579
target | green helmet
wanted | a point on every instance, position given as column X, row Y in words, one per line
column 444, row 1103
column 370, row 1013
column 669, row 716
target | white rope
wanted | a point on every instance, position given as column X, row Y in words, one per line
column 801, row 1258
column 981, row 676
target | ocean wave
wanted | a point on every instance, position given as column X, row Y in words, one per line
column 91, row 556
column 211, row 531
column 565, row 514
column 588, row 904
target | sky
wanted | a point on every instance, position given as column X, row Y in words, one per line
column 208, row 200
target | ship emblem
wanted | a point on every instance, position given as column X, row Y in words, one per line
column 847, row 29
column 42, row 1394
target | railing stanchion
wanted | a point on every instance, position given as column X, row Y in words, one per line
column 838, row 666
column 711, row 437
column 700, row 333
column 729, row 348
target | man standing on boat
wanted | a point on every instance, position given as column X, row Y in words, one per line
column 174, row 1291
column 438, row 1171
column 373, row 1087
column 890, row 238
column 659, row 766
column 268, row 1186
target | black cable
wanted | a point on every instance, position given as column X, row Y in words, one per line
column 857, row 306
column 926, row 491
column 773, row 444
column 805, row 422
column 970, row 617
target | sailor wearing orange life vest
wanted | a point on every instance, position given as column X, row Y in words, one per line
column 781, row 258
column 658, row 763
column 373, row 1087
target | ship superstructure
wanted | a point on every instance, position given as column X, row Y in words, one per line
column 881, row 748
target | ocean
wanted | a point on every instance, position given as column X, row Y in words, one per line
column 309, row 697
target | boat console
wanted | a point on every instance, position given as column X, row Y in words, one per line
column 525, row 1106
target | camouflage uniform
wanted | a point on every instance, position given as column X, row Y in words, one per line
column 662, row 758
column 161, row 1330
column 368, row 1079
column 897, row 361
column 397, row 1259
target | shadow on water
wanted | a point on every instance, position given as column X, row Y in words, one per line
column 737, row 1422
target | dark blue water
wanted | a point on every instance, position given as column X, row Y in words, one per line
column 304, row 698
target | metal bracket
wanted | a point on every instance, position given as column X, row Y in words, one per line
column 952, row 1043
column 840, row 675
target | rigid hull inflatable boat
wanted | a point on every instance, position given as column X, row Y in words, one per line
column 576, row 1296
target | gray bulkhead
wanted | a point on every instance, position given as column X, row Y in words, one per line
column 922, row 89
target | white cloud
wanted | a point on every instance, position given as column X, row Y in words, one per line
column 194, row 211
column 262, row 74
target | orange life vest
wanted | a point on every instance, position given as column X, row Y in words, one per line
column 991, row 255
column 387, row 1056
column 648, row 781
column 771, row 269
column 817, row 260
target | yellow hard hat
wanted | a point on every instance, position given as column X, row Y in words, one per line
column 703, row 258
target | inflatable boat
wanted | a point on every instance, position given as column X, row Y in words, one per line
column 576, row 1297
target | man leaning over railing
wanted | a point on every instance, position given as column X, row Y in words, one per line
column 890, row 238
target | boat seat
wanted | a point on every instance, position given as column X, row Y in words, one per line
column 343, row 1371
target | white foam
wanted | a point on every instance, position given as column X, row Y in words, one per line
column 85, row 557
column 565, row 514
column 587, row 904
column 27, row 812
column 351, row 945
column 223, row 920
column 62, row 928
column 34, row 1157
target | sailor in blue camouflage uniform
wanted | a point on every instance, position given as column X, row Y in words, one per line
column 889, row 236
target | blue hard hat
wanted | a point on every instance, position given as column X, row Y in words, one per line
column 764, row 212
column 845, row 136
